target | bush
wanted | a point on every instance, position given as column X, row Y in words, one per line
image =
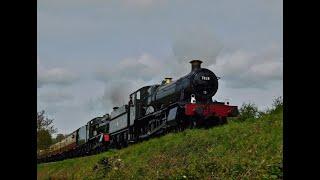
column 277, row 104
column 248, row 110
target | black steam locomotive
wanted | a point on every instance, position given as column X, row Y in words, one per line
column 151, row 111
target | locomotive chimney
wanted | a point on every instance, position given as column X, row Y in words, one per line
column 195, row 64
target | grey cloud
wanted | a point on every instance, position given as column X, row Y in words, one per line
column 55, row 97
column 144, row 67
column 242, row 69
column 143, row 3
column 59, row 4
column 56, row 76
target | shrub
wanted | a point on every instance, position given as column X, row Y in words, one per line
column 248, row 110
column 277, row 104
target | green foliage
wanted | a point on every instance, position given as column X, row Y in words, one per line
column 248, row 111
column 44, row 139
column 238, row 150
column 277, row 105
column 45, row 129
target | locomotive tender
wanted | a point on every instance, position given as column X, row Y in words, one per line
column 151, row 111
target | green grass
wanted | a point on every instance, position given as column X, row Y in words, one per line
column 239, row 150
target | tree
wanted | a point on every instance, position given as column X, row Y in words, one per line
column 44, row 139
column 44, row 123
column 59, row 137
column 45, row 129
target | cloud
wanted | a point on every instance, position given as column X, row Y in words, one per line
column 141, row 3
column 142, row 68
column 80, row 3
column 55, row 97
column 56, row 76
column 243, row 69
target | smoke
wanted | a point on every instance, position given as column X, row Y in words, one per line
column 197, row 42
column 115, row 93
column 125, row 77
column 118, row 93
column 132, row 73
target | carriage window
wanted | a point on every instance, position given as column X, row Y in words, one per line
column 82, row 135
column 138, row 95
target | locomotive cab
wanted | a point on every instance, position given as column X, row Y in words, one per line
column 139, row 101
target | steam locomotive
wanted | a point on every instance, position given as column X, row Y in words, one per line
column 151, row 111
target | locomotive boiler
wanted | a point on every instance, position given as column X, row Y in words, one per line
column 199, row 86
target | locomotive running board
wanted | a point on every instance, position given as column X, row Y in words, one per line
column 150, row 133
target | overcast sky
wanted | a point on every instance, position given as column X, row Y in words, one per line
column 93, row 53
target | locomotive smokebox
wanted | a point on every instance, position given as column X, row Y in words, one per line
column 195, row 64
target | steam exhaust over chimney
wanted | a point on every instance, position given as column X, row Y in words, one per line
column 195, row 64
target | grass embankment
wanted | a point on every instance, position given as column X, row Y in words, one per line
column 239, row 150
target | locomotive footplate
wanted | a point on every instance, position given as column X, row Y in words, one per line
column 212, row 109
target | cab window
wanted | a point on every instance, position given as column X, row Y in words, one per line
column 138, row 95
